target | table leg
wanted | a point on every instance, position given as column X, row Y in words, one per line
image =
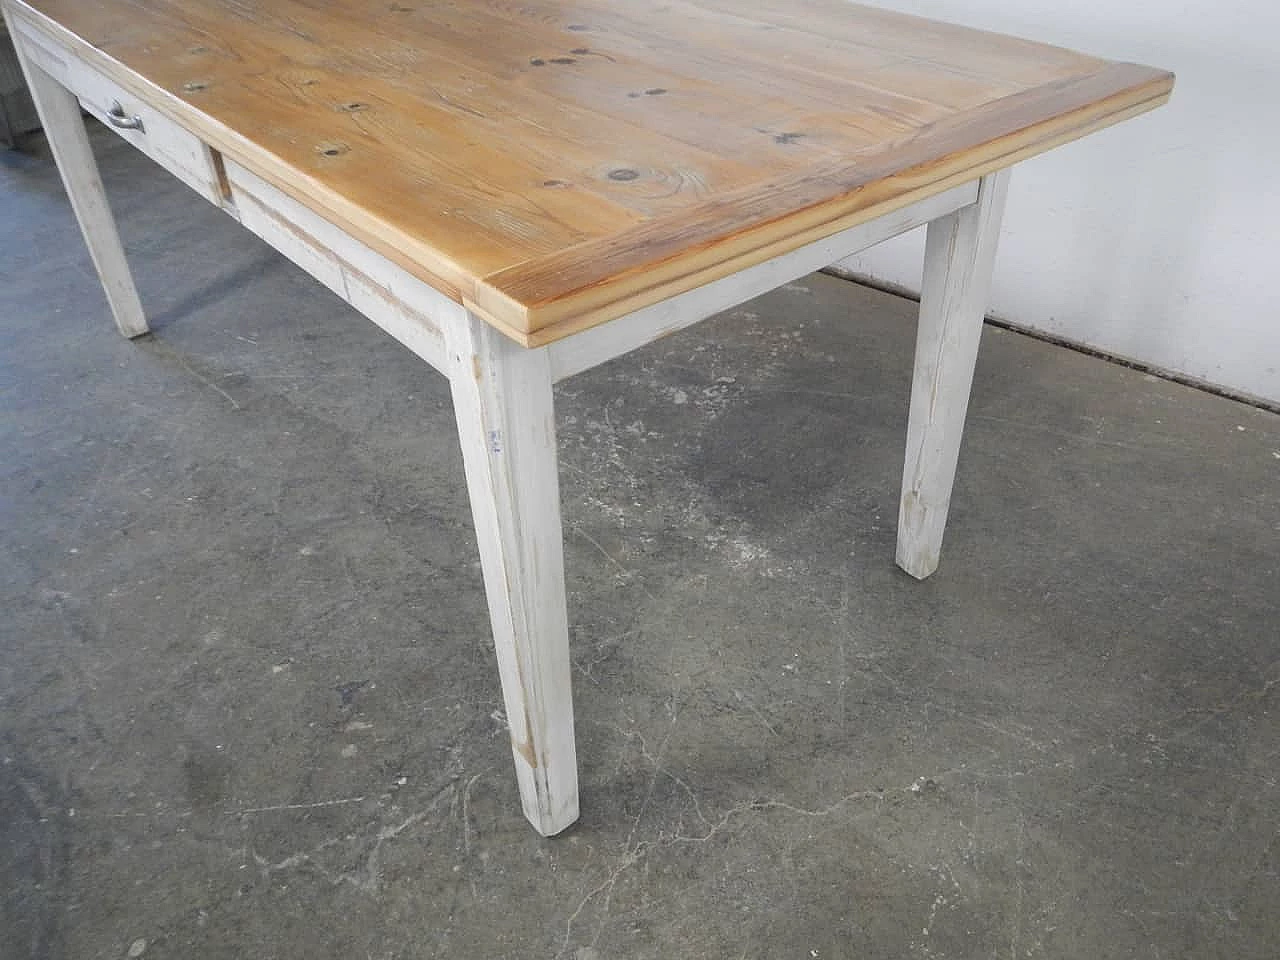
column 60, row 114
column 502, row 400
column 959, row 256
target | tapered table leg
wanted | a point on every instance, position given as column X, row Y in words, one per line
column 60, row 114
column 502, row 400
column 959, row 256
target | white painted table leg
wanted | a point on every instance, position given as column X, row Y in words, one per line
column 959, row 256
column 60, row 114
column 502, row 400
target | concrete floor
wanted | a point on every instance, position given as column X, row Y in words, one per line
column 248, row 703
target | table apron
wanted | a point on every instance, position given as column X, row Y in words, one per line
column 411, row 311
column 594, row 346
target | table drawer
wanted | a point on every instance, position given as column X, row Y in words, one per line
column 177, row 150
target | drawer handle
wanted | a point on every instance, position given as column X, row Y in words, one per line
column 118, row 119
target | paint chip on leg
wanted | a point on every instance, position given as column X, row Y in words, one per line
column 525, row 749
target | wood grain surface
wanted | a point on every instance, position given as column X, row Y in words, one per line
column 553, row 164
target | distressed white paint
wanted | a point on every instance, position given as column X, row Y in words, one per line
column 60, row 115
column 1154, row 240
column 408, row 309
column 959, row 255
column 506, row 424
column 599, row 344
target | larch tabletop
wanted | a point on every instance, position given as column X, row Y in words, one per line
column 554, row 164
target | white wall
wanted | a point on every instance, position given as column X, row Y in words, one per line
column 1157, row 240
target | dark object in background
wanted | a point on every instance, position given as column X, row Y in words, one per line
column 17, row 112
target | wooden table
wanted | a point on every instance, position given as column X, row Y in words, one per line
column 520, row 191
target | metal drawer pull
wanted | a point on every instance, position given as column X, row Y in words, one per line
column 118, row 119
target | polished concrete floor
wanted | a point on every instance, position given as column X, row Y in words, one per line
column 248, row 702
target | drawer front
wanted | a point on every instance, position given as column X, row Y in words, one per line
column 177, row 150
